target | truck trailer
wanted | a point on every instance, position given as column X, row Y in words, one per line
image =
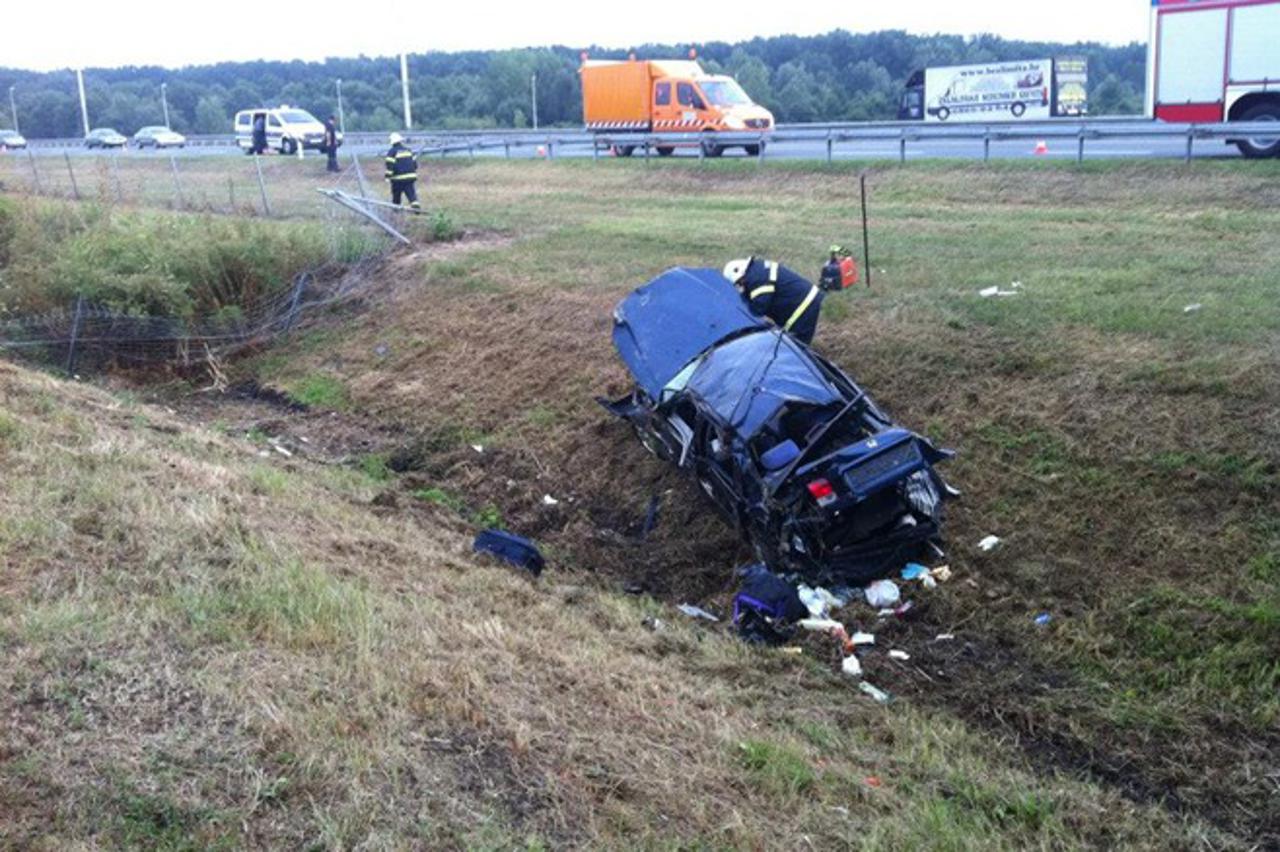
column 1027, row 90
column 671, row 96
column 1216, row 60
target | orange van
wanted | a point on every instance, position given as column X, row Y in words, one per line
column 671, row 96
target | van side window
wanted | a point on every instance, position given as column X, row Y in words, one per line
column 273, row 121
column 662, row 94
column 684, row 94
column 242, row 120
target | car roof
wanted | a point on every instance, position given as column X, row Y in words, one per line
column 748, row 380
column 665, row 324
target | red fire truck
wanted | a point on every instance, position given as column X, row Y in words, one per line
column 1216, row 60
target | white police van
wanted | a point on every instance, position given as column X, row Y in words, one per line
column 288, row 129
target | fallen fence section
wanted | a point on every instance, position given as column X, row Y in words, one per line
column 357, row 206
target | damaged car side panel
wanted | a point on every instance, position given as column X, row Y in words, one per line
column 788, row 447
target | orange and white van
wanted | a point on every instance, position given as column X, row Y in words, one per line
column 667, row 96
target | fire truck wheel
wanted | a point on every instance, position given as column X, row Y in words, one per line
column 1261, row 146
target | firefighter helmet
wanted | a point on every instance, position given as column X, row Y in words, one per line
column 395, row 139
column 735, row 269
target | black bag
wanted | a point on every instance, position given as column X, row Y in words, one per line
column 510, row 548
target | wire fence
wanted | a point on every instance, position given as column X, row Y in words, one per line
column 83, row 336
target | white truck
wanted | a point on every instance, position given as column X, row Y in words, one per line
column 1216, row 60
column 1027, row 90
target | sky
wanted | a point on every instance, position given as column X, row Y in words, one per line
column 176, row 33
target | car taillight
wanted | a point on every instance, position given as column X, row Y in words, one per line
column 822, row 492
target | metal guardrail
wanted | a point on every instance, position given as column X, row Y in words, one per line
column 445, row 142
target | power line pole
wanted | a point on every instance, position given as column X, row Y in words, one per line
column 342, row 121
column 164, row 103
column 84, row 107
column 533, row 89
column 13, row 107
column 404, row 90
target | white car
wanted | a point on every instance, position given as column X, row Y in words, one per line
column 11, row 140
column 288, row 129
column 157, row 136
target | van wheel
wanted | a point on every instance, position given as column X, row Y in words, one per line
column 288, row 146
column 753, row 150
column 623, row 150
column 1261, row 146
column 666, row 150
column 1018, row 109
column 711, row 149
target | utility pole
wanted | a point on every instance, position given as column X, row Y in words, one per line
column 533, row 89
column 164, row 104
column 342, row 121
column 404, row 90
column 13, row 106
column 84, row 107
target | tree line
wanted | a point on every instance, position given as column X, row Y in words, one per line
column 839, row 76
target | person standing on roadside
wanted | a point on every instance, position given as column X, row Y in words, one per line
column 402, row 172
column 260, row 133
column 331, row 143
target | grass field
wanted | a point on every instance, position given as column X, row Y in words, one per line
column 205, row 645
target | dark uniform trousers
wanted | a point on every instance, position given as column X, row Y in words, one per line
column 790, row 300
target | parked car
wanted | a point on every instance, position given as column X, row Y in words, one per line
column 159, row 137
column 288, row 128
column 816, row 477
column 104, row 137
column 11, row 140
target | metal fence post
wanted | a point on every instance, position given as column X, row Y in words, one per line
column 1190, row 137
column 760, row 149
column 262, row 186
column 902, row 147
column 646, row 152
column 75, row 334
column 1080, row 147
column 35, row 173
column 551, row 148
column 595, row 150
column 231, row 194
column 75, row 190
column 986, row 144
column 506, row 149
column 355, row 161
column 177, row 184
column 828, row 147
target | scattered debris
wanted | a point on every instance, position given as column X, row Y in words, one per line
column 510, row 548
column 895, row 654
column 988, row 292
column 942, row 573
column 651, row 516
column 653, row 623
column 479, row 448
column 989, row 543
column 382, row 350
column 548, row 500
column 1042, row 619
column 813, row 601
column 266, row 454
column 820, row 625
column 850, row 666
column 878, row 694
column 281, row 450
column 861, row 638
column 873, row 781
column 766, row 606
column 696, row 612
column 914, row 571
column 1192, row 308
column 944, row 637
column 882, row 593
column 899, row 610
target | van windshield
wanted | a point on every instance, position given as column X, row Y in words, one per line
column 297, row 116
column 724, row 92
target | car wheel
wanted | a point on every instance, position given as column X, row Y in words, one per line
column 1018, row 109
column 666, row 150
column 1261, row 146
column 288, row 146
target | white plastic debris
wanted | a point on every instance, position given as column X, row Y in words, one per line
column 878, row 694
column 548, row 500
column 860, row 638
column 928, row 582
column 988, row 292
column 696, row 612
column 282, row 451
column 942, row 573
column 882, row 593
column 895, row 654
column 944, row 637
column 1192, row 308
column 989, row 543
column 851, row 666
column 820, row 625
column 266, row 454
column 479, row 448
column 1017, row 285
column 812, row 600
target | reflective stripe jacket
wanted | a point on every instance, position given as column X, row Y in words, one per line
column 401, row 165
column 774, row 291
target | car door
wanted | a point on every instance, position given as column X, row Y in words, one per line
column 692, row 108
column 275, row 130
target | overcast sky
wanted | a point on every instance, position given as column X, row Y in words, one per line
column 99, row 33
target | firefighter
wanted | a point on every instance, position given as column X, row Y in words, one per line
column 402, row 172
column 774, row 291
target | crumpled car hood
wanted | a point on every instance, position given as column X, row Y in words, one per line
column 665, row 324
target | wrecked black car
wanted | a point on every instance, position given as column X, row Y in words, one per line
column 817, row 478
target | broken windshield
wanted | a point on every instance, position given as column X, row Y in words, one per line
column 724, row 93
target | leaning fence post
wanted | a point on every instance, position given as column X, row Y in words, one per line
column 177, row 185
column 75, row 334
column 1190, row 137
column 364, row 190
column 35, row 173
column 262, row 186
column 294, row 302
column 75, row 190
column 902, row 146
